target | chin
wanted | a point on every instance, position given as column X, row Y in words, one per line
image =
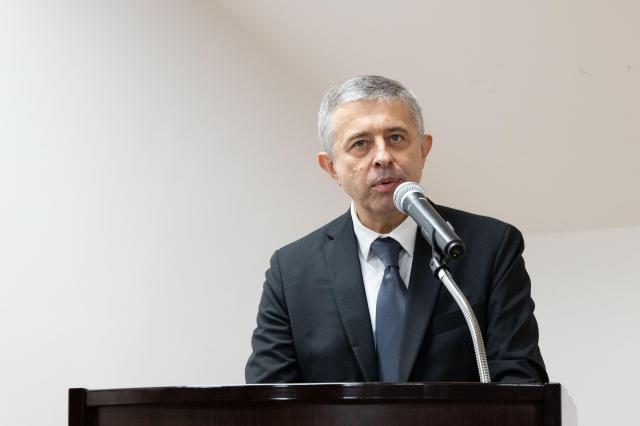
column 385, row 208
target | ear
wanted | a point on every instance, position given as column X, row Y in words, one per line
column 326, row 163
column 426, row 145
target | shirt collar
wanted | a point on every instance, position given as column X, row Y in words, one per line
column 405, row 234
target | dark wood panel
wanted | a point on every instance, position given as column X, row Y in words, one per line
column 77, row 407
column 346, row 413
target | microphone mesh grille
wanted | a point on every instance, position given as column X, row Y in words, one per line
column 402, row 190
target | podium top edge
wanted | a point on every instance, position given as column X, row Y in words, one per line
column 316, row 392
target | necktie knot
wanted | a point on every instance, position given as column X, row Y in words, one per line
column 387, row 250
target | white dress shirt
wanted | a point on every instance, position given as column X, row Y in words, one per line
column 372, row 267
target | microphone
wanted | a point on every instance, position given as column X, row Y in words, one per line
column 409, row 198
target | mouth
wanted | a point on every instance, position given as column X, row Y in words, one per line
column 386, row 184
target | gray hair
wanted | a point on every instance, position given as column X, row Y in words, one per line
column 364, row 88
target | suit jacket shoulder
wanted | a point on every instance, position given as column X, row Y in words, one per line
column 296, row 258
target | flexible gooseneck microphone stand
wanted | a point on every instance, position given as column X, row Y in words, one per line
column 441, row 270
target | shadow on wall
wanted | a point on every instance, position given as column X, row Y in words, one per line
column 569, row 411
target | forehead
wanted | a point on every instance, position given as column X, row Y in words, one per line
column 370, row 116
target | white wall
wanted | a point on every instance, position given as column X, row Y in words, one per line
column 147, row 150
column 585, row 285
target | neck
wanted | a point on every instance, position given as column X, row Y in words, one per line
column 381, row 224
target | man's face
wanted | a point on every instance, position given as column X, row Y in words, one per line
column 376, row 147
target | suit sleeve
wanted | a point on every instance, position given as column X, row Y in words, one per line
column 512, row 330
column 273, row 359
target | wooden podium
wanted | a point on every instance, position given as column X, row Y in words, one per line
column 369, row 404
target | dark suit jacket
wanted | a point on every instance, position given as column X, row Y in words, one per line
column 314, row 326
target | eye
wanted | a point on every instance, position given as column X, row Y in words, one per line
column 396, row 137
column 360, row 143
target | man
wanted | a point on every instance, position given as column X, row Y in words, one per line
column 356, row 300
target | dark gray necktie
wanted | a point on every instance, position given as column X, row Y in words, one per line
column 389, row 310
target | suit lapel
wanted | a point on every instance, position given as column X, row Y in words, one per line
column 343, row 264
column 423, row 293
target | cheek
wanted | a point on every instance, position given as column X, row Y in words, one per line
column 356, row 174
column 358, row 168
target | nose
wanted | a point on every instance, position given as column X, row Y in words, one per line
column 381, row 157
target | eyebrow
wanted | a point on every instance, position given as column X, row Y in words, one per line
column 357, row 135
column 389, row 130
column 396, row 129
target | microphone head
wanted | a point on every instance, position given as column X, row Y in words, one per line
column 403, row 190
